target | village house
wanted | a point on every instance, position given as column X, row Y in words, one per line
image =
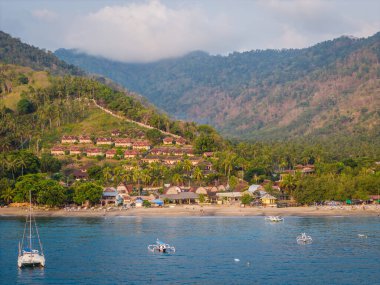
column 178, row 152
column 156, row 151
column 80, row 174
column 170, row 160
column 110, row 196
column 167, row 150
column 168, row 140
column 131, row 153
column 145, row 145
column 58, row 150
column 69, row 139
column 123, row 142
column 180, row 141
column 104, row 141
column 151, row 159
column 92, row 152
column 188, row 151
column 115, row 133
column 128, row 167
column 110, row 153
column 85, row 139
column 195, row 160
column 74, row 150
column 268, row 200
column 123, row 188
column 208, row 154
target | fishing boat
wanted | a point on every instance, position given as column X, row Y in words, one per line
column 27, row 254
column 274, row 219
column 161, row 247
column 304, row 239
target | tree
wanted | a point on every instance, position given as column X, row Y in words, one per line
column 51, row 193
column 26, row 183
column 49, row 163
column 177, row 178
column 154, row 135
column 246, row 199
column 87, row 191
column 7, row 195
column 107, row 173
column 197, row 174
column 24, row 106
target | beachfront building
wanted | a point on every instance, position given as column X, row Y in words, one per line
column 58, row 150
column 229, row 197
column 268, row 200
column 181, row 198
column 110, row 196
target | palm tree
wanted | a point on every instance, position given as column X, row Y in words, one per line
column 107, row 174
column 177, row 178
column 21, row 161
column 136, row 176
column 228, row 162
column 8, row 195
column 187, row 166
column 198, row 175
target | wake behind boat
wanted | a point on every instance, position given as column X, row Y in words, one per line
column 27, row 255
column 161, row 247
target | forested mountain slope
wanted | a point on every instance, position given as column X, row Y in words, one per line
column 13, row 51
column 327, row 89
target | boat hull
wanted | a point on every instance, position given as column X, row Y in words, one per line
column 31, row 259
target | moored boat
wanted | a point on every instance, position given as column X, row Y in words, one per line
column 274, row 219
column 27, row 255
column 161, row 247
column 304, row 239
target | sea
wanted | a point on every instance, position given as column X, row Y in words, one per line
column 209, row 250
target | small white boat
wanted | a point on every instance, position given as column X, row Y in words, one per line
column 27, row 255
column 161, row 247
column 304, row 239
column 362, row 236
column 274, row 219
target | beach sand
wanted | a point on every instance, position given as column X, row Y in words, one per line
column 196, row 210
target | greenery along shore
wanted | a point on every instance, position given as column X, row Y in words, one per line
column 38, row 108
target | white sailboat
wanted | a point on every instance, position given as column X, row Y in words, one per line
column 27, row 255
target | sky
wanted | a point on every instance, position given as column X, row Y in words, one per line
column 145, row 31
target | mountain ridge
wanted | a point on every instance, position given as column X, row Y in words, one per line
column 262, row 93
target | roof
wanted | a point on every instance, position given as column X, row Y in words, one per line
column 110, row 192
column 230, row 194
column 180, row 196
column 268, row 196
column 253, row 188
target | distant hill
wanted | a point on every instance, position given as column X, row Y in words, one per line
column 13, row 51
column 330, row 88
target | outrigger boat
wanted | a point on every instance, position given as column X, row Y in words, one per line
column 27, row 256
column 304, row 239
column 161, row 247
column 274, row 219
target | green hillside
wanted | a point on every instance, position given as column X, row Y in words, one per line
column 330, row 88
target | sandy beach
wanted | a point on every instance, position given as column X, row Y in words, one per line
column 196, row 210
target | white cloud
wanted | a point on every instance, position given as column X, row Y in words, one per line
column 148, row 31
column 44, row 14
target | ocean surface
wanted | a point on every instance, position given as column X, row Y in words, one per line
column 209, row 250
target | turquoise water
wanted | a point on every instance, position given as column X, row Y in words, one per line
column 114, row 251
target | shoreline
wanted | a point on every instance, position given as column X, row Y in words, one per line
column 198, row 211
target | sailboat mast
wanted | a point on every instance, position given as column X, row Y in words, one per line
column 30, row 219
